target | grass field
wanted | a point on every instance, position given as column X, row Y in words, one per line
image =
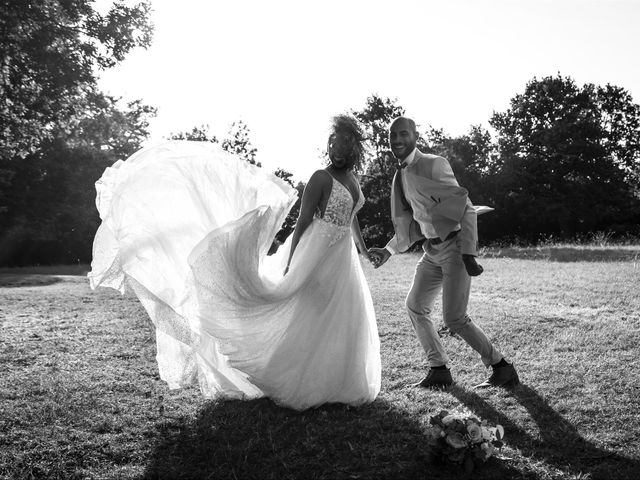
column 80, row 396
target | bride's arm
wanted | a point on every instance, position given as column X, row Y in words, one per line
column 310, row 202
column 357, row 237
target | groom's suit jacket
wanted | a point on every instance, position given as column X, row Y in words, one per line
column 431, row 205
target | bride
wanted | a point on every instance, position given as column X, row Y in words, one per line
column 187, row 227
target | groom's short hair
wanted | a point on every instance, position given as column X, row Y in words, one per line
column 406, row 119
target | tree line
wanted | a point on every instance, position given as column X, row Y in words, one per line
column 562, row 161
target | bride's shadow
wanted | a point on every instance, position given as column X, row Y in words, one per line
column 258, row 440
column 559, row 442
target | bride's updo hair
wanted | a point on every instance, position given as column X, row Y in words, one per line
column 348, row 128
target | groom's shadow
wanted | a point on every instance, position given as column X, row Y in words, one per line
column 559, row 443
column 258, row 440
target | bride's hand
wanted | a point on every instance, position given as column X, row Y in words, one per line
column 364, row 251
column 380, row 256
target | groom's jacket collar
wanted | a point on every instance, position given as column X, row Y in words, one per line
column 411, row 158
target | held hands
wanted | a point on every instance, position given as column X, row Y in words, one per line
column 362, row 250
column 378, row 256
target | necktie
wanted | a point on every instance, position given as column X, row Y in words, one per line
column 403, row 199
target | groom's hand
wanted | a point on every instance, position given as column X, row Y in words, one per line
column 473, row 268
column 379, row 255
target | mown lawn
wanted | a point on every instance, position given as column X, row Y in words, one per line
column 80, row 395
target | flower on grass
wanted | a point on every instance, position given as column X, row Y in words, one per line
column 456, row 440
column 474, row 431
column 487, row 450
column 462, row 439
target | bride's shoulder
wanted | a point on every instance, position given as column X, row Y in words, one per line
column 320, row 177
column 319, row 183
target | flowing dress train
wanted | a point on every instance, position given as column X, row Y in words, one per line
column 187, row 226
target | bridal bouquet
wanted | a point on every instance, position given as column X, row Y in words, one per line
column 462, row 439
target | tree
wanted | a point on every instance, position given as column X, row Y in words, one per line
column 107, row 125
column 375, row 215
column 290, row 221
column 196, row 134
column 51, row 53
column 240, row 144
column 52, row 219
column 284, row 175
column 49, row 214
column 562, row 154
column 620, row 120
column 471, row 156
column 59, row 132
column 238, row 141
column 375, row 117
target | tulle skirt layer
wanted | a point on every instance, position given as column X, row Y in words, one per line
column 188, row 227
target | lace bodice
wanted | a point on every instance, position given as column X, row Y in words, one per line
column 340, row 208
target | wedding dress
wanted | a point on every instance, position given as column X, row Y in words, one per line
column 187, row 226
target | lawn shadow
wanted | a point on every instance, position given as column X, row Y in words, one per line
column 258, row 440
column 560, row 445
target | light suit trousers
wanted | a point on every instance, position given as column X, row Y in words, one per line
column 441, row 269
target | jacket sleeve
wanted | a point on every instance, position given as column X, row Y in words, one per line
column 443, row 173
column 392, row 245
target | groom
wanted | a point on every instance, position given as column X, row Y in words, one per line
column 427, row 202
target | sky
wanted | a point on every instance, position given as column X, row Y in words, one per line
column 286, row 67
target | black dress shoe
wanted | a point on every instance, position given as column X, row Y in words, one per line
column 436, row 378
column 505, row 376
